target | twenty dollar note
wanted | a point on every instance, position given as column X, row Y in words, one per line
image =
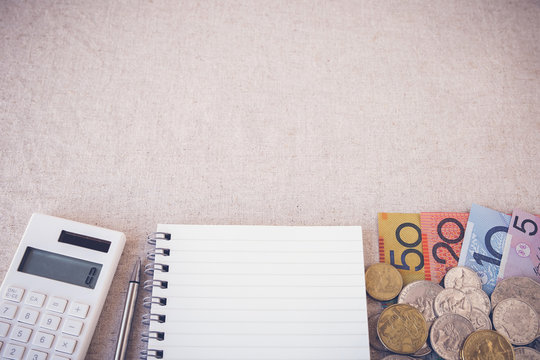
column 443, row 232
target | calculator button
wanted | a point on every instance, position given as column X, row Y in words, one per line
column 28, row 316
column 57, row 304
column 56, row 357
column 72, row 327
column 13, row 352
column 21, row 334
column 78, row 310
column 35, row 299
column 8, row 311
column 66, row 345
column 36, row 355
column 14, row 293
column 49, row 321
column 4, row 328
column 43, row 340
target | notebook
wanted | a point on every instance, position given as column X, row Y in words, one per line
column 238, row 292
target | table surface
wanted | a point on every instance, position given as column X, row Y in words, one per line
column 126, row 114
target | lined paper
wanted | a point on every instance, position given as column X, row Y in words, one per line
column 262, row 293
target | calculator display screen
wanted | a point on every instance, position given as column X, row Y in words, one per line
column 60, row 267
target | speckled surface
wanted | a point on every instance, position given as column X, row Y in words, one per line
column 129, row 113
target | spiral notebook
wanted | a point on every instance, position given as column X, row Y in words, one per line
column 256, row 293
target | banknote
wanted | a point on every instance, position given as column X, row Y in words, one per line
column 400, row 244
column 521, row 255
column 483, row 244
column 442, row 236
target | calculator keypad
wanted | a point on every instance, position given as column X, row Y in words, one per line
column 35, row 299
column 36, row 326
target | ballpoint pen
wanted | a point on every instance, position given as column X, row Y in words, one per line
column 129, row 309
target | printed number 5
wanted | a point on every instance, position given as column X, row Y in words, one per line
column 522, row 228
column 403, row 259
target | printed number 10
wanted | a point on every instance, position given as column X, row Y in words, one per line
column 487, row 241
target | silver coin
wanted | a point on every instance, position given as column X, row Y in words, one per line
column 479, row 319
column 377, row 354
column 516, row 320
column 452, row 301
column 448, row 334
column 478, row 298
column 518, row 287
column 526, row 353
column 460, row 277
column 421, row 294
column 397, row 357
column 424, row 351
column 373, row 338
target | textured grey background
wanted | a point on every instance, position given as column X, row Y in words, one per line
column 129, row 113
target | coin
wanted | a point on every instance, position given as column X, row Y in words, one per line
column 516, row 320
column 383, row 281
column 448, row 333
column 526, row 353
column 519, row 287
column 402, row 329
column 461, row 276
column 421, row 294
column 479, row 319
column 424, row 351
column 478, row 298
column 397, row 357
column 486, row 344
column 452, row 301
column 373, row 338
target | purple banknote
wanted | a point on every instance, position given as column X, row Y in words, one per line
column 521, row 254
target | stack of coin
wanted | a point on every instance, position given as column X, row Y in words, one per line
column 456, row 322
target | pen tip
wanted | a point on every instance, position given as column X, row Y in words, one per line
column 136, row 273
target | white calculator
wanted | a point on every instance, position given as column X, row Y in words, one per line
column 54, row 290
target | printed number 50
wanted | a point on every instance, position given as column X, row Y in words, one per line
column 404, row 254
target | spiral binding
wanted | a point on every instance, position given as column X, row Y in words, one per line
column 153, row 237
column 150, row 269
column 149, row 284
column 147, row 318
column 156, row 354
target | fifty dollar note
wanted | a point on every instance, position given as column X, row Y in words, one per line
column 400, row 244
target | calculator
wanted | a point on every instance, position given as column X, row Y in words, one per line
column 55, row 288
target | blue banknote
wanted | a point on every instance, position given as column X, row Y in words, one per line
column 483, row 244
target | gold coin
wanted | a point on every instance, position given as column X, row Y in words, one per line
column 402, row 329
column 383, row 281
column 487, row 344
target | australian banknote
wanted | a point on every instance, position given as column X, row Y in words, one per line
column 400, row 244
column 483, row 244
column 521, row 254
column 442, row 236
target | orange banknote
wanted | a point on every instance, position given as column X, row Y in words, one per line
column 442, row 235
column 400, row 244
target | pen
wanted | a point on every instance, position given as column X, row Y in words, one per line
column 129, row 309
